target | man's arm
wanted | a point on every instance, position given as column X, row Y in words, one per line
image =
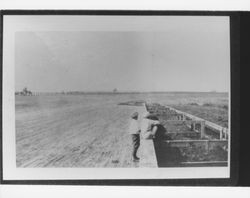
column 155, row 122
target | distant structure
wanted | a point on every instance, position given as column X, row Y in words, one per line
column 25, row 92
column 115, row 90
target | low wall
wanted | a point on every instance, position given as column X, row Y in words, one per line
column 147, row 152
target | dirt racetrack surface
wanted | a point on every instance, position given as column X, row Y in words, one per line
column 72, row 131
column 84, row 130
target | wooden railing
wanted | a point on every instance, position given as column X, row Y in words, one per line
column 191, row 119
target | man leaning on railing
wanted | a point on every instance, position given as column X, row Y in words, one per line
column 149, row 126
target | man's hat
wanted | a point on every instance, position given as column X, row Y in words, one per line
column 135, row 115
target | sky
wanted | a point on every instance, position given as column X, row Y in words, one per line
column 189, row 54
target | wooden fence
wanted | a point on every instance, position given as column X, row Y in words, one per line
column 192, row 120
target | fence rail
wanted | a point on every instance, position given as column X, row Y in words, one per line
column 223, row 131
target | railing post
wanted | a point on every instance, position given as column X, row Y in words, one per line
column 223, row 134
column 202, row 128
column 192, row 126
column 226, row 134
column 207, row 146
column 145, row 106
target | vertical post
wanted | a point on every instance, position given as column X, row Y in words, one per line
column 144, row 104
column 221, row 133
column 207, row 146
column 184, row 117
column 192, row 126
column 226, row 134
column 202, row 128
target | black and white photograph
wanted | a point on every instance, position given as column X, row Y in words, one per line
column 116, row 97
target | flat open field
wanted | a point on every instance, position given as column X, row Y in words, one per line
column 91, row 130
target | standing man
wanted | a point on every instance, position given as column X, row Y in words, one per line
column 134, row 131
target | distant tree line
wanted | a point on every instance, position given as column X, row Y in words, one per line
column 26, row 92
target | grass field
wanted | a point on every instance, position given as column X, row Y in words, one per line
column 91, row 130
